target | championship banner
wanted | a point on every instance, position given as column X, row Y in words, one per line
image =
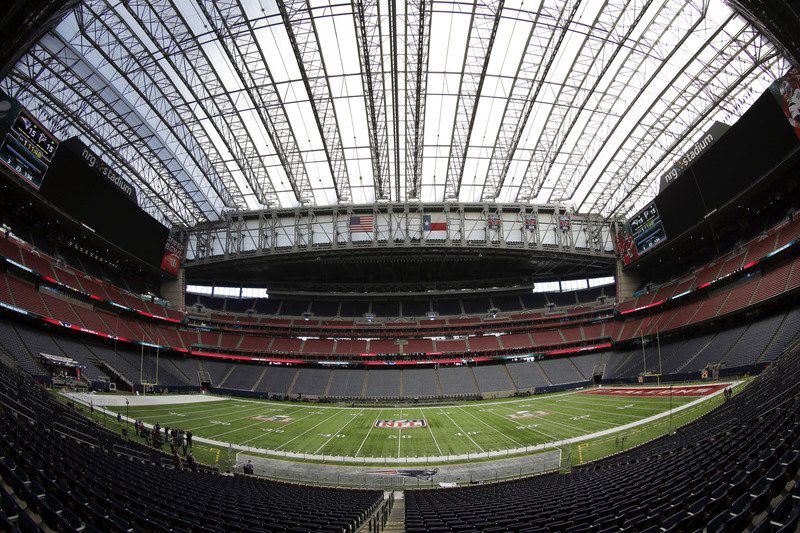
column 530, row 223
column 564, row 222
column 626, row 248
column 494, row 222
column 787, row 91
column 173, row 252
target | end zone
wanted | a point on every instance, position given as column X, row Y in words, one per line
column 687, row 390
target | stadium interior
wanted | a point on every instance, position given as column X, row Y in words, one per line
column 483, row 266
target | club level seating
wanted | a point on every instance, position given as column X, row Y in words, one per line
column 384, row 309
column 94, row 481
column 718, row 472
column 77, row 278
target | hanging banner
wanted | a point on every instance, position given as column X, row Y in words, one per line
column 787, row 91
column 173, row 252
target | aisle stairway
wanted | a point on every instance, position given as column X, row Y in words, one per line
column 397, row 518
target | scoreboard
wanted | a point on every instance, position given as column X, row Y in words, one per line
column 27, row 147
column 647, row 229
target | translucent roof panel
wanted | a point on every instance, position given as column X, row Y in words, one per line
column 208, row 106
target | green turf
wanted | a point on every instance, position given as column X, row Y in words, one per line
column 471, row 427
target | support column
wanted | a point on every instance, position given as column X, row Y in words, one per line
column 172, row 290
column 627, row 282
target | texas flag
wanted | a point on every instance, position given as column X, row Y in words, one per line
column 430, row 225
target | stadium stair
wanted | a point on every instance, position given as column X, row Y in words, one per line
column 510, row 378
column 542, row 372
column 180, row 372
column 221, row 383
column 576, row 369
column 698, row 352
column 327, row 388
column 397, row 518
column 261, row 377
column 772, row 338
column 364, row 388
column 474, row 379
column 401, row 384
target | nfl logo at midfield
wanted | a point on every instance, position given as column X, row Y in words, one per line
column 401, row 424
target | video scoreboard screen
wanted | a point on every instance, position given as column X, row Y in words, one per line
column 27, row 148
column 90, row 191
column 647, row 229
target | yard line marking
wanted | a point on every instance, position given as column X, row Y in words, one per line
column 225, row 409
column 580, row 451
column 337, row 431
column 309, row 429
column 256, row 437
column 185, row 407
column 399, row 434
column 463, row 432
column 604, row 413
column 547, row 435
column 446, row 406
column 239, row 411
column 422, row 415
column 491, row 427
column 259, row 422
column 691, row 406
column 648, row 409
column 371, row 425
column 581, row 431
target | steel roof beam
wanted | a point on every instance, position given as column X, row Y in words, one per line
column 367, row 18
column 610, row 29
column 63, row 82
column 730, row 54
column 540, row 51
column 418, row 39
column 250, row 63
column 641, row 67
column 302, row 31
column 484, row 20
column 169, row 32
column 115, row 42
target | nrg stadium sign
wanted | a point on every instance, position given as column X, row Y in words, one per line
column 716, row 131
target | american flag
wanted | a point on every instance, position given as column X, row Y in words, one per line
column 362, row 223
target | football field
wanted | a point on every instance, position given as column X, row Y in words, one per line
column 438, row 432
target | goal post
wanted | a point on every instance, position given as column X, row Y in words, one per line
column 148, row 381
